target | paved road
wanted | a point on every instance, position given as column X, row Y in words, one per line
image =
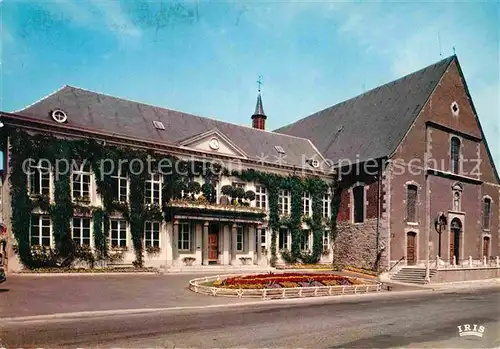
column 417, row 320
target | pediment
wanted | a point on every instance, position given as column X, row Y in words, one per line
column 213, row 142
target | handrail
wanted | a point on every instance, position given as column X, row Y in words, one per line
column 397, row 263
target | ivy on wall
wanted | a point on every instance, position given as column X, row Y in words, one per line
column 61, row 211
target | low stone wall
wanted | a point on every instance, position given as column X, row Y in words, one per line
column 196, row 285
column 465, row 274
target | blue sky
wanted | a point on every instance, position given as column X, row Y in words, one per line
column 204, row 57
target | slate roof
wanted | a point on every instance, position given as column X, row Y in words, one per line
column 101, row 112
column 373, row 124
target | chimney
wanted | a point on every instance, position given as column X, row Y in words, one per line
column 259, row 117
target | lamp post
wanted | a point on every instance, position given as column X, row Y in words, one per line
column 439, row 224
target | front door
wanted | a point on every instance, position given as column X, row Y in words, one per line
column 486, row 247
column 455, row 231
column 411, row 257
column 213, row 248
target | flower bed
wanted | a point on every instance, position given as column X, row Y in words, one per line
column 285, row 280
column 282, row 285
column 305, row 266
column 86, row 270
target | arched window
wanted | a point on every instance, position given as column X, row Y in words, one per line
column 455, row 155
column 411, row 203
column 486, row 213
column 358, row 194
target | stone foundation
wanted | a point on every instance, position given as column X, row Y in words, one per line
column 356, row 244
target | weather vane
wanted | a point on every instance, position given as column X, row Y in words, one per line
column 259, row 82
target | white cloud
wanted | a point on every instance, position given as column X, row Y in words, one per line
column 94, row 14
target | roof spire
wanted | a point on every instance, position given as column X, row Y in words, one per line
column 259, row 117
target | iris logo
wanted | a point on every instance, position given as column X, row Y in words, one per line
column 470, row 330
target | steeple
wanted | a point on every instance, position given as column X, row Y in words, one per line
column 259, row 117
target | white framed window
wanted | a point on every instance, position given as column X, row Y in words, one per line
column 306, row 204
column 119, row 184
column 153, row 190
column 40, row 230
column 326, row 240
column 284, row 202
column 39, row 179
column 283, row 239
column 238, row 185
column 81, row 182
column 358, row 195
column 327, row 203
column 118, row 233
column 80, row 231
column 151, row 234
column 305, row 242
column 260, row 197
column 185, row 234
column 240, row 238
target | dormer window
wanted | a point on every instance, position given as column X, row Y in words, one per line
column 158, row 125
column 279, row 149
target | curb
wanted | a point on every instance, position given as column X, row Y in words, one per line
column 86, row 274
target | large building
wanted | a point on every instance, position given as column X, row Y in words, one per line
column 416, row 174
column 412, row 179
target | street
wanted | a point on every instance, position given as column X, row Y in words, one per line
column 414, row 320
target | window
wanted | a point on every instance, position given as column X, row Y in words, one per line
column 81, row 231
column 306, row 204
column 40, row 230
column 238, row 185
column 39, row 179
column 305, row 243
column 263, row 237
column 455, row 155
column 486, row 213
column 151, row 234
column 81, row 182
column 411, row 203
column 152, row 190
column 240, row 238
column 326, row 240
column 118, row 233
column 119, row 185
column 284, row 202
column 260, row 197
column 327, row 201
column 358, row 193
column 185, row 232
column 283, row 239
column 158, row 124
column 279, row 149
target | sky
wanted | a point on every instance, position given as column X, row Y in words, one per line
column 204, row 57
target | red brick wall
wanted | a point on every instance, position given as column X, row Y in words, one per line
column 437, row 142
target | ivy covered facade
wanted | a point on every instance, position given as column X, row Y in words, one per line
column 84, row 199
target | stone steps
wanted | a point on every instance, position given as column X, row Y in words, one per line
column 412, row 275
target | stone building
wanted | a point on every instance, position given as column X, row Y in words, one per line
column 224, row 231
column 417, row 179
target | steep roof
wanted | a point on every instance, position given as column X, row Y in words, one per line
column 373, row 124
column 95, row 111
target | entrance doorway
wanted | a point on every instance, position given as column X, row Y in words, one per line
column 486, row 247
column 411, row 256
column 213, row 243
column 455, row 232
